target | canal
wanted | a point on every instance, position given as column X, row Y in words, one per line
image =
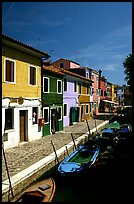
column 109, row 181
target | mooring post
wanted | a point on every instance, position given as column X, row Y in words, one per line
column 89, row 133
column 67, row 150
column 55, row 152
column 73, row 141
column 10, row 186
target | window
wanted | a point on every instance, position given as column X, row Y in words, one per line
column 87, row 109
column 59, row 86
column 87, row 75
column 80, row 87
column 65, row 84
column 61, row 65
column 59, row 111
column 97, row 92
column 45, row 84
column 34, row 115
column 92, row 90
column 105, row 93
column 87, row 89
column 101, row 92
column 9, row 70
column 75, row 86
column 92, row 76
column 46, row 114
column 9, row 116
column 65, row 109
column 32, row 75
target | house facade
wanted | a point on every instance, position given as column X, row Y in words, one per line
column 21, row 92
column 85, row 72
column 95, row 92
column 84, row 99
column 52, row 99
column 103, row 92
column 70, row 99
column 65, row 63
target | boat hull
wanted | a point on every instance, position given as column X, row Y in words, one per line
column 42, row 191
column 78, row 161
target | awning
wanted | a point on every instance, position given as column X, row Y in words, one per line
column 107, row 101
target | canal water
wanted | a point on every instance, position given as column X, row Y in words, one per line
column 106, row 182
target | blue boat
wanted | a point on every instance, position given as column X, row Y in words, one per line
column 124, row 135
column 79, row 160
column 106, row 137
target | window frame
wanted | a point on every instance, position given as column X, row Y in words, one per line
column 10, row 82
column 36, row 118
column 58, row 80
column 88, row 90
column 65, row 85
column 66, row 109
column 62, row 64
column 30, row 75
column 92, row 76
column 80, row 88
column 75, row 86
column 60, row 107
column 87, row 106
column 12, row 120
column 48, row 85
column 87, row 74
column 47, row 108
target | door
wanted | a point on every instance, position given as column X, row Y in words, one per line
column 82, row 113
column 23, row 125
column 94, row 108
column 54, row 120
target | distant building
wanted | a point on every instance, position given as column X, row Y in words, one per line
column 66, row 64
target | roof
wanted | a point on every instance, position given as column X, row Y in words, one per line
column 11, row 42
column 67, row 60
column 55, row 69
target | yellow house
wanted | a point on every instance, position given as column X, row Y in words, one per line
column 84, row 99
column 21, row 91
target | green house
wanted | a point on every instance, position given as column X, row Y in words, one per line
column 52, row 99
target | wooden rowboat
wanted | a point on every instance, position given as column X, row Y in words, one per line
column 39, row 192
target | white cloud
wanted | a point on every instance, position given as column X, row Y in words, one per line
column 110, row 67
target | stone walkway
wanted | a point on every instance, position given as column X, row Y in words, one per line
column 26, row 154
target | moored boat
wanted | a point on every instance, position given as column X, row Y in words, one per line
column 79, row 160
column 114, row 125
column 42, row 191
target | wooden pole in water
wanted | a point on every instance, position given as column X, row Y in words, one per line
column 89, row 133
column 73, row 140
column 10, row 186
column 67, row 150
column 55, row 152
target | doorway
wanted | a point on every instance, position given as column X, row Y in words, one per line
column 23, row 125
column 54, row 120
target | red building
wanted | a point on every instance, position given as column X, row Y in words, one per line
column 103, row 91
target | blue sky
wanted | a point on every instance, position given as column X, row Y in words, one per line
column 94, row 34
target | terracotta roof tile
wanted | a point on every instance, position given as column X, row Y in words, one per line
column 54, row 68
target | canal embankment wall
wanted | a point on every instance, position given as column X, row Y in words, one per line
column 23, row 179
